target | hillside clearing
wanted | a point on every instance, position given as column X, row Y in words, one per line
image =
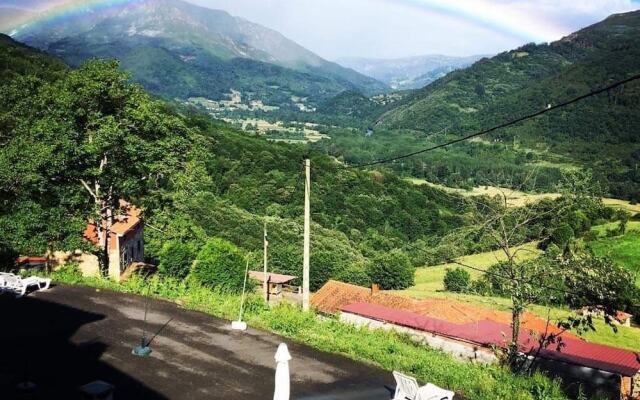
column 429, row 284
column 516, row 198
column 623, row 250
column 428, row 281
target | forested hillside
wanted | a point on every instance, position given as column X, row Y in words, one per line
column 601, row 132
column 195, row 178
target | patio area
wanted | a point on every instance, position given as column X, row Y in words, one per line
column 69, row 336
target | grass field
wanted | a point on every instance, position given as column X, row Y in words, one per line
column 601, row 230
column 517, row 198
column 623, row 204
column 428, row 281
column 428, row 284
column 623, row 250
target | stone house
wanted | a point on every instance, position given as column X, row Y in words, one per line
column 126, row 244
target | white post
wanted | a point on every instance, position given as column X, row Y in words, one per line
column 265, row 284
column 307, row 234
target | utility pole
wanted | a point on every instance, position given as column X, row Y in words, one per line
column 265, row 284
column 307, row 234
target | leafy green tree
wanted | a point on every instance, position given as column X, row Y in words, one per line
column 457, row 280
column 595, row 281
column 355, row 273
column 392, row 270
column 624, row 217
column 176, row 259
column 562, row 236
column 90, row 131
column 220, row 264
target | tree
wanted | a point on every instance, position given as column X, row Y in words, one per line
column 176, row 259
column 624, row 217
column 392, row 270
column 92, row 131
column 457, row 280
column 562, row 236
column 509, row 228
column 220, row 264
column 120, row 142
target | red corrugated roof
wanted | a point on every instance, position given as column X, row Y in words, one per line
column 491, row 333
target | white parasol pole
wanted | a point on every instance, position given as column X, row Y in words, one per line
column 283, row 385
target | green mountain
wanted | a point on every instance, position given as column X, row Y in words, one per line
column 200, row 178
column 601, row 133
column 179, row 50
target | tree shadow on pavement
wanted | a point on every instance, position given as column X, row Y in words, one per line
column 36, row 342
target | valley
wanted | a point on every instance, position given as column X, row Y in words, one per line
column 182, row 149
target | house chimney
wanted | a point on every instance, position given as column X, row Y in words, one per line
column 375, row 288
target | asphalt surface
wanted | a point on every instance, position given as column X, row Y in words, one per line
column 68, row 336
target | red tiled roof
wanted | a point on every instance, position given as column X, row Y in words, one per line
column 622, row 316
column 273, row 278
column 334, row 295
column 31, row 260
column 489, row 333
column 128, row 219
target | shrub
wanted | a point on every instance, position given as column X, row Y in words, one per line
column 590, row 236
column 7, row 258
column 482, row 287
column 553, row 251
column 355, row 273
column 562, row 235
column 579, row 221
column 457, row 280
column 392, row 270
column 220, row 264
column 175, row 259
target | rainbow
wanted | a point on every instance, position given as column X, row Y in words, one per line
column 500, row 17
column 493, row 16
column 70, row 9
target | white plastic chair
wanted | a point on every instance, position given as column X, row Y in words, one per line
column 406, row 387
column 433, row 392
column 14, row 283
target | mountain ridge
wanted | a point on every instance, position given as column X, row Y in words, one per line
column 199, row 42
column 600, row 133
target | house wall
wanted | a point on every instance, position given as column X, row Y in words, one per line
column 459, row 349
column 132, row 247
column 88, row 263
column 114, row 260
column 595, row 383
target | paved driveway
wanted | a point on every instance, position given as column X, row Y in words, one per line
column 72, row 335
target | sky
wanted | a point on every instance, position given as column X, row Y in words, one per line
column 399, row 28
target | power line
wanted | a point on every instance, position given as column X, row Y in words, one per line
column 503, row 125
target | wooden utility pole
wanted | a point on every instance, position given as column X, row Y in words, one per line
column 265, row 284
column 307, row 234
